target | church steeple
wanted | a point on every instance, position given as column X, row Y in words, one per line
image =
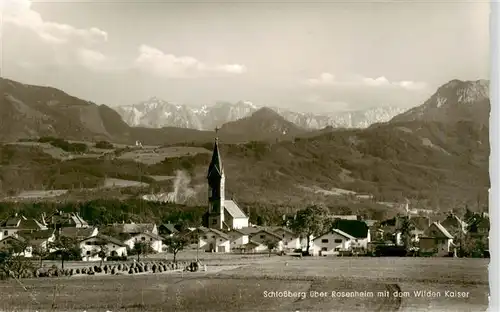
column 215, row 168
column 216, row 190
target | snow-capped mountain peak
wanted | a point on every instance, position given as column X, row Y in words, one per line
column 157, row 113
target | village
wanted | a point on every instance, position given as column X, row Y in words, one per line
column 227, row 229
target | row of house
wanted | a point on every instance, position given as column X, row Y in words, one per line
column 347, row 233
column 115, row 239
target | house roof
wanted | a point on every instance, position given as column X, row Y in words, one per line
column 233, row 209
column 220, row 233
column 36, row 235
column 23, row 223
column 208, row 230
column 370, row 223
column 420, row 223
column 267, row 232
column 250, row 229
column 344, row 217
column 76, row 232
column 336, row 231
column 442, row 229
column 152, row 235
column 252, row 242
column 18, row 238
column 170, row 227
column 355, row 228
column 106, row 239
column 133, row 228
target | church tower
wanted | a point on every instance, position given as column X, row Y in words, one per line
column 216, row 180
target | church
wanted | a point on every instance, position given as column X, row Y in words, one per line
column 223, row 214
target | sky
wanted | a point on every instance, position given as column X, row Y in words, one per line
column 305, row 56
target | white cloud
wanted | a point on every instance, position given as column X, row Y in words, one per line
column 91, row 59
column 327, row 79
column 157, row 62
column 323, row 79
column 19, row 13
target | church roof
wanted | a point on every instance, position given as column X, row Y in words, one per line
column 215, row 166
column 233, row 209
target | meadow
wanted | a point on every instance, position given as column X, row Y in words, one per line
column 239, row 283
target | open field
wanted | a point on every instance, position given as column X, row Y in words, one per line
column 247, row 287
column 152, row 156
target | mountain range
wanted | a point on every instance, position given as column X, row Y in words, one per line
column 28, row 111
column 437, row 152
column 157, row 113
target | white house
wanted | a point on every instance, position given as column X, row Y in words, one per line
column 262, row 238
column 332, row 242
column 436, row 240
column 91, row 247
column 234, row 216
column 36, row 239
column 154, row 240
column 291, row 241
column 19, row 223
column 238, row 240
column 212, row 240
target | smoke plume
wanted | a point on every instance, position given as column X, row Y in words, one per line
column 181, row 193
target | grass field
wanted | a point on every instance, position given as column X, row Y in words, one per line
column 246, row 287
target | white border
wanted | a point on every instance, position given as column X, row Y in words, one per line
column 494, row 196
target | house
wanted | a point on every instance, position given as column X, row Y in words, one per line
column 18, row 223
column 38, row 240
column 130, row 233
column 479, row 228
column 137, row 228
column 436, row 240
column 419, row 224
column 344, row 217
column 222, row 214
column 61, row 219
column 355, row 228
column 15, row 245
column 211, row 240
column 265, row 237
column 291, row 241
column 78, row 234
column 167, row 230
column 238, row 240
column 455, row 226
column 154, row 240
column 332, row 242
column 91, row 246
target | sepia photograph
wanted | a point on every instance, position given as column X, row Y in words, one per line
column 245, row 155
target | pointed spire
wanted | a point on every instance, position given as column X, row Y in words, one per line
column 215, row 166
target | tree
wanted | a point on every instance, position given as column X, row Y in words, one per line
column 175, row 244
column 405, row 228
column 271, row 244
column 12, row 263
column 103, row 249
column 66, row 247
column 41, row 252
column 309, row 222
column 141, row 248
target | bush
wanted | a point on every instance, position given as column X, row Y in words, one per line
column 104, row 145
